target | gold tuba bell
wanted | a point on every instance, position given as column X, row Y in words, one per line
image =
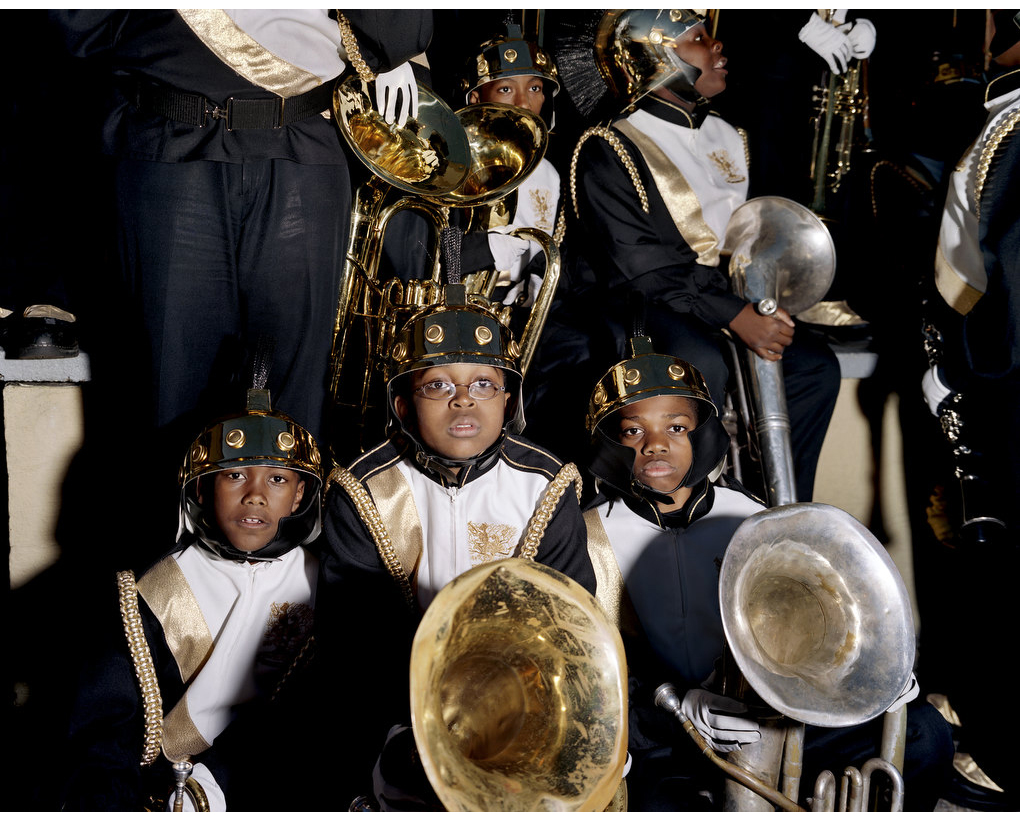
column 437, row 161
column 519, row 693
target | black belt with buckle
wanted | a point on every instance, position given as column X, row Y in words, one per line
column 237, row 112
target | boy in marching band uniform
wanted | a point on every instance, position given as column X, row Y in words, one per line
column 452, row 487
column 658, row 531
column 213, row 627
column 512, row 70
column 654, row 193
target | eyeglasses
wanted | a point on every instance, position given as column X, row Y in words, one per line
column 479, row 389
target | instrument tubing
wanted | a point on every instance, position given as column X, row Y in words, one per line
column 238, row 112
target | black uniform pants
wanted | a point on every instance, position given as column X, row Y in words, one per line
column 216, row 254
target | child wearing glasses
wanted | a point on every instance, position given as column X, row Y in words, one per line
column 452, row 487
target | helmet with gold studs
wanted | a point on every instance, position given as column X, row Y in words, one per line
column 259, row 436
column 646, row 374
column 460, row 330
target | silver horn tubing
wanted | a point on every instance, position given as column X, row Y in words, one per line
column 772, row 426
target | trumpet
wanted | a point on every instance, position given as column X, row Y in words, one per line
column 436, row 161
column 185, row 784
column 840, row 99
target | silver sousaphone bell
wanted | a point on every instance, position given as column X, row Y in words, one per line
column 816, row 615
column 818, row 621
column 780, row 251
column 781, row 256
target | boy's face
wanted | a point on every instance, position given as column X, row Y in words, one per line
column 459, row 426
column 657, row 429
column 522, row 91
column 696, row 48
column 249, row 503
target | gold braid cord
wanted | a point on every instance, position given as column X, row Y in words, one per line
column 610, row 137
column 145, row 671
column 987, row 155
column 351, row 47
column 560, row 231
column 302, row 658
column 369, row 514
column 543, row 513
column 917, row 184
column 747, row 147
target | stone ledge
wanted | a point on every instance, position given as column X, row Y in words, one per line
column 54, row 371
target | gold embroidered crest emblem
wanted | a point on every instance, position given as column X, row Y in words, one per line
column 721, row 160
column 488, row 542
column 543, row 211
column 287, row 629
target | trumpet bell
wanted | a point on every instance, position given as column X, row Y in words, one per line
column 518, row 693
column 781, row 250
column 816, row 615
column 430, row 155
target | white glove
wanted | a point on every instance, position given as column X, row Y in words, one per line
column 713, row 716
column 909, row 693
column 862, row 38
column 935, row 392
column 397, row 91
column 506, row 250
column 828, row 41
column 534, row 283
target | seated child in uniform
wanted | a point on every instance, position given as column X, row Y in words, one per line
column 658, row 530
column 211, row 627
column 452, row 487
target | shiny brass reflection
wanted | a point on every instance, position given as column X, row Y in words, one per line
column 407, row 159
column 518, row 693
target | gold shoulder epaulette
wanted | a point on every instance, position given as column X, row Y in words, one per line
column 611, row 137
column 543, row 513
column 145, row 671
column 988, row 154
column 369, row 514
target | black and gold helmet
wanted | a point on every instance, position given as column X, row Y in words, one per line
column 511, row 55
column 634, row 55
column 258, row 437
column 642, row 376
column 458, row 330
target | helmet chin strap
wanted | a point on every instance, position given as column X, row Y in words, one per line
column 646, row 491
column 449, row 468
column 682, row 84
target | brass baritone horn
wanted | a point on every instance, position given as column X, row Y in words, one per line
column 519, row 693
column 436, row 161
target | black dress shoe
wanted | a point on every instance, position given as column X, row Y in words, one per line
column 41, row 332
column 965, row 793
